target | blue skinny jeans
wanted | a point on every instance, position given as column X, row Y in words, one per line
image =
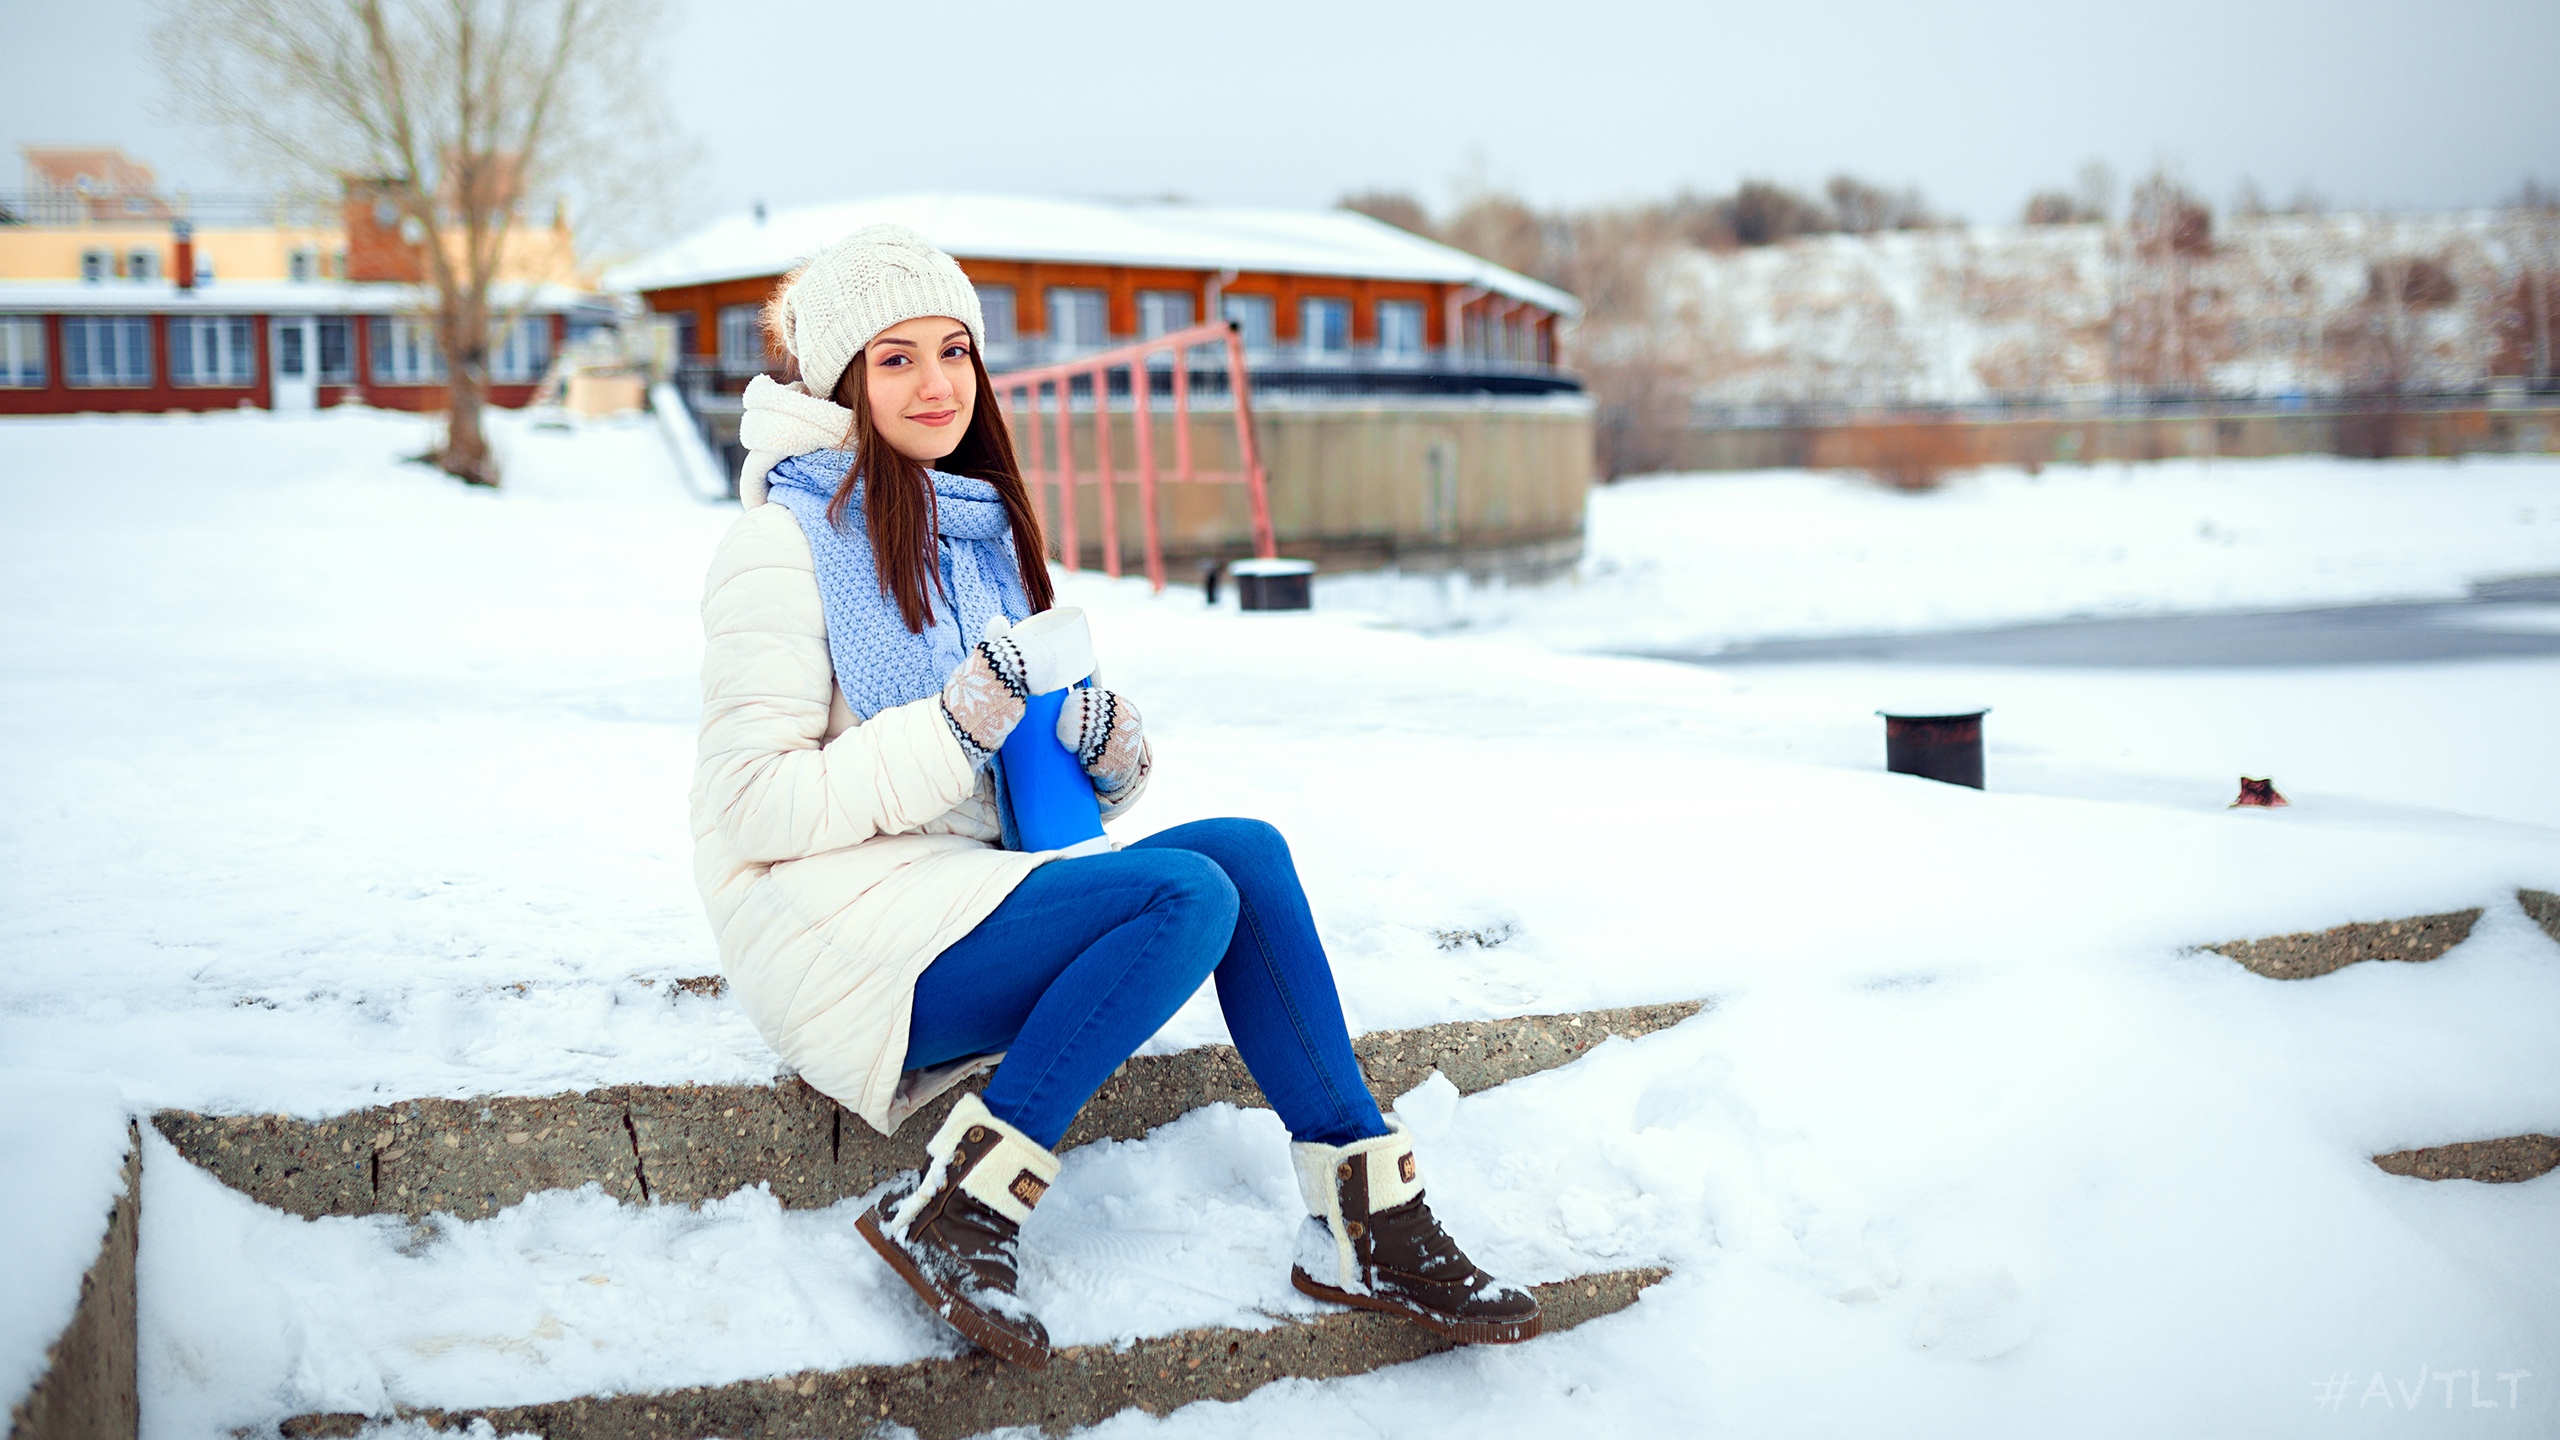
column 1088, row 958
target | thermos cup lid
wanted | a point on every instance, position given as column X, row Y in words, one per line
column 1065, row 631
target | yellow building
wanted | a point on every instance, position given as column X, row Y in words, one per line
column 117, row 296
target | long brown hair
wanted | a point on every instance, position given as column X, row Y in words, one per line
column 899, row 501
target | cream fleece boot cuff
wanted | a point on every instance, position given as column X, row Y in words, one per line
column 1394, row 1178
column 1009, row 1180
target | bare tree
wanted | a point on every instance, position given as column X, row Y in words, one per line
column 455, row 111
column 2528, row 310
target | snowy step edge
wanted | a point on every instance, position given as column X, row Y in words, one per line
column 976, row 1393
column 686, row 1144
column 90, row 1382
column 2309, row 954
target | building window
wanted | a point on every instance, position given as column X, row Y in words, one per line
column 1400, row 330
column 996, row 303
column 1161, row 312
column 1324, row 327
column 404, row 352
column 106, row 351
column 302, row 264
column 521, row 355
column 142, row 265
column 1079, row 319
column 337, row 350
column 22, row 352
column 96, row 265
column 1251, row 315
column 211, row 350
column 741, row 339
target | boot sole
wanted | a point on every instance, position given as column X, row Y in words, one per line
column 975, row 1325
column 1465, row 1332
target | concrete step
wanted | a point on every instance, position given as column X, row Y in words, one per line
column 948, row 1399
column 684, row 1144
column 2417, row 938
column 2503, row 1161
column 2544, row 907
column 2318, row 952
column 89, row 1385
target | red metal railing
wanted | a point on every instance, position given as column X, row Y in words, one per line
column 1020, row 394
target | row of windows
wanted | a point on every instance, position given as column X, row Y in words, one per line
column 1079, row 318
column 114, row 351
column 303, row 262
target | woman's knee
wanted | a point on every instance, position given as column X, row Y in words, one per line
column 1238, row 843
column 1194, row 888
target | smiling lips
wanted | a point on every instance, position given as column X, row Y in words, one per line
column 936, row 418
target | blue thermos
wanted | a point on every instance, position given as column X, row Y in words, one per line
column 1054, row 807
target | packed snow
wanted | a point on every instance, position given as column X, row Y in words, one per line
column 333, row 783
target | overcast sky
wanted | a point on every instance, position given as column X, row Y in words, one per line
column 1976, row 102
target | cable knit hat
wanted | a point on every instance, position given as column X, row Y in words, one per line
column 876, row 277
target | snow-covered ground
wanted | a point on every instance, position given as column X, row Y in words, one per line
column 330, row 783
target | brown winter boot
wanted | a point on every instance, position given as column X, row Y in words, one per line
column 950, row 1232
column 1371, row 1241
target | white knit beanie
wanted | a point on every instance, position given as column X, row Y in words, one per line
column 872, row 279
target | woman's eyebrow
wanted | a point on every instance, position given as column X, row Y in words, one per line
column 890, row 340
column 960, row 334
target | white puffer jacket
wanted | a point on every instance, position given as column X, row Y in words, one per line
column 837, row 858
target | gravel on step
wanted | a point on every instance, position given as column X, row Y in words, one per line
column 2318, row 952
column 2544, row 908
column 2499, row 1162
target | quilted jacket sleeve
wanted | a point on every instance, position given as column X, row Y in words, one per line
column 770, row 783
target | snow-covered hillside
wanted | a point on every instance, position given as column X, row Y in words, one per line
column 2261, row 306
column 329, row 782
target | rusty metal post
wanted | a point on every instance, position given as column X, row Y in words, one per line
column 1027, row 432
column 1070, row 552
column 1182, row 414
column 1248, row 460
column 1142, row 425
column 1108, row 472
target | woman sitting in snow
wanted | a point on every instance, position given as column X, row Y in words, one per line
column 876, row 912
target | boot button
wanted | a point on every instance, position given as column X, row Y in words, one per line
column 1343, row 1171
column 977, row 1133
column 1353, row 1226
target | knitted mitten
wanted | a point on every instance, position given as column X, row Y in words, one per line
column 983, row 700
column 1103, row 731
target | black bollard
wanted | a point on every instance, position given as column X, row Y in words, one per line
column 1945, row 746
column 1209, row 581
column 1274, row 584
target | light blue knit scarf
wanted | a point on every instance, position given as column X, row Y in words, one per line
column 879, row 662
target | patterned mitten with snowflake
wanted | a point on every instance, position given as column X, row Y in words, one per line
column 1102, row 730
column 984, row 698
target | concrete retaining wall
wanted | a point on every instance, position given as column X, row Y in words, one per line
column 1489, row 485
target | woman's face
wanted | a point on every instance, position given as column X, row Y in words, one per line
column 921, row 386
